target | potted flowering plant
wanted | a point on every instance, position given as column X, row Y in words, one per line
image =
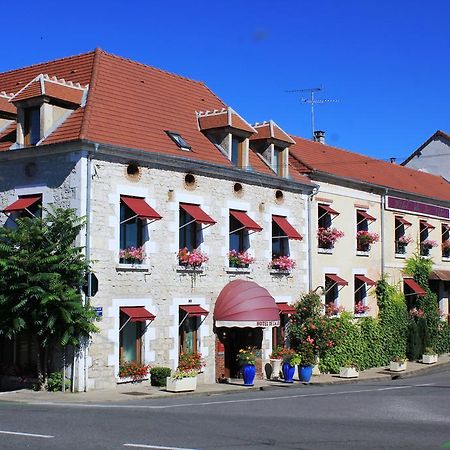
column 426, row 246
column 307, row 361
column 276, row 358
column 361, row 308
column 193, row 259
column 398, row 364
column 290, row 360
column 133, row 371
column 246, row 358
column 429, row 356
column 185, row 377
column 349, row 370
column 446, row 249
column 332, row 309
column 327, row 237
column 132, row 255
column 282, row 263
column 365, row 238
column 402, row 242
column 240, row 259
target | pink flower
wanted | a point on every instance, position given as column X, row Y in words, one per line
column 282, row 263
column 328, row 236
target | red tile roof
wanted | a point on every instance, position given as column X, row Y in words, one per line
column 310, row 157
column 226, row 117
column 8, row 136
column 5, row 105
column 31, row 90
column 270, row 130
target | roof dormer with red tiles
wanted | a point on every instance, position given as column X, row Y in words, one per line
column 42, row 105
column 271, row 143
column 229, row 132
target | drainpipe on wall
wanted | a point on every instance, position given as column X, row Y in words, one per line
column 310, row 264
column 383, row 205
column 88, row 241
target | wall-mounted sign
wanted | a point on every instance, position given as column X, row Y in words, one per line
column 411, row 206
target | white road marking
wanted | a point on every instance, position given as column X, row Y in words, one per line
column 18, row 433
column 156, row 446
column 222, row 402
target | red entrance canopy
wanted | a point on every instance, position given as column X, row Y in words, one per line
column 22, row 203
column 366, row 215
column 366, row 280
column 194, row 310
column 415, row 287
column 290, row 231
column 140, row 207
column 197, row 213
column 338, row 280
column 245, row 220
column 403, row 221
column 137, row 313
column 329, row 210
column 286, row 309
column 244, row 304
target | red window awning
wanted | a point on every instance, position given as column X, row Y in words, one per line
column 197, row 213
column 23, row 203
column 194, row 310
column 286, row 309
column 403, row 221
column 246, row 221
column 289, row 230
column 366, row 215
column 329, row 210
column 137, row 313
column 140, row 207
column 338, row 280
column 366, row 280
column 415, row 287
column 425, row 224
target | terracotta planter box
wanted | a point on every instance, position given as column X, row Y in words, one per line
column 348, row 372
column 397, row 366
column 429, row 359
column 181, row 385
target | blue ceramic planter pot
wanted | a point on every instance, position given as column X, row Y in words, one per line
column 248, row 373
column 305, row 373
column 288, row 373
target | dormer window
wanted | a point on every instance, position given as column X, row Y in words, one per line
column 32, row 125
column 237, row 153
column 278, row 161
column 179, row 140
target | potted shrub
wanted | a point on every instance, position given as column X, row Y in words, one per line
column 365, row 239
column 246, row 358
column 133, row 371
column 290, row 360
column 276, row 358
column 327, row 237
column 429, row 356
column 282, row 263
column 398, row 364
column 132, row 255
column 191, row 259
column 307, row 362
column 158, row 375
column 349, row 370
column 185, row 377
column 240, row 259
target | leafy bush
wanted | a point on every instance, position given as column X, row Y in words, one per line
column 158, row 375
column 54, row 382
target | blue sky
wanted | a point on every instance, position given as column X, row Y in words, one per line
column 386, row 62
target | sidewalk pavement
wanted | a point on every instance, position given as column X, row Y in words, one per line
column 144, row 390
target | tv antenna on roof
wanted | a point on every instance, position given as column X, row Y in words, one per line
column 313, row 101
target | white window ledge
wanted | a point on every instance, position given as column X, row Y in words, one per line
column 238, row 270
column 190, row 269
column 445, row 259
column 121, row 267
column 328, row 251
column 362, row 253
column 280, row 272
column 400, row 255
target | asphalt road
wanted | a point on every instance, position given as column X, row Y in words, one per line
column 410, row 413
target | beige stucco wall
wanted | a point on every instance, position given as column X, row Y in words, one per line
column 158, row 285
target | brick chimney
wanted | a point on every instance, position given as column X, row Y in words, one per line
column 319, row 136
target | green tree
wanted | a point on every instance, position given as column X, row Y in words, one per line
column 41, row 273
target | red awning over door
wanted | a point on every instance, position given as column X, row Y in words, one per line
column 137, row 313
column 290, row 231
column 247, row 222
column 23, row 203
column 140, row 207
column 197, row 213
column 284, row 308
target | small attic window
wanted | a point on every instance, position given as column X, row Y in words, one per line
column 179, row 140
